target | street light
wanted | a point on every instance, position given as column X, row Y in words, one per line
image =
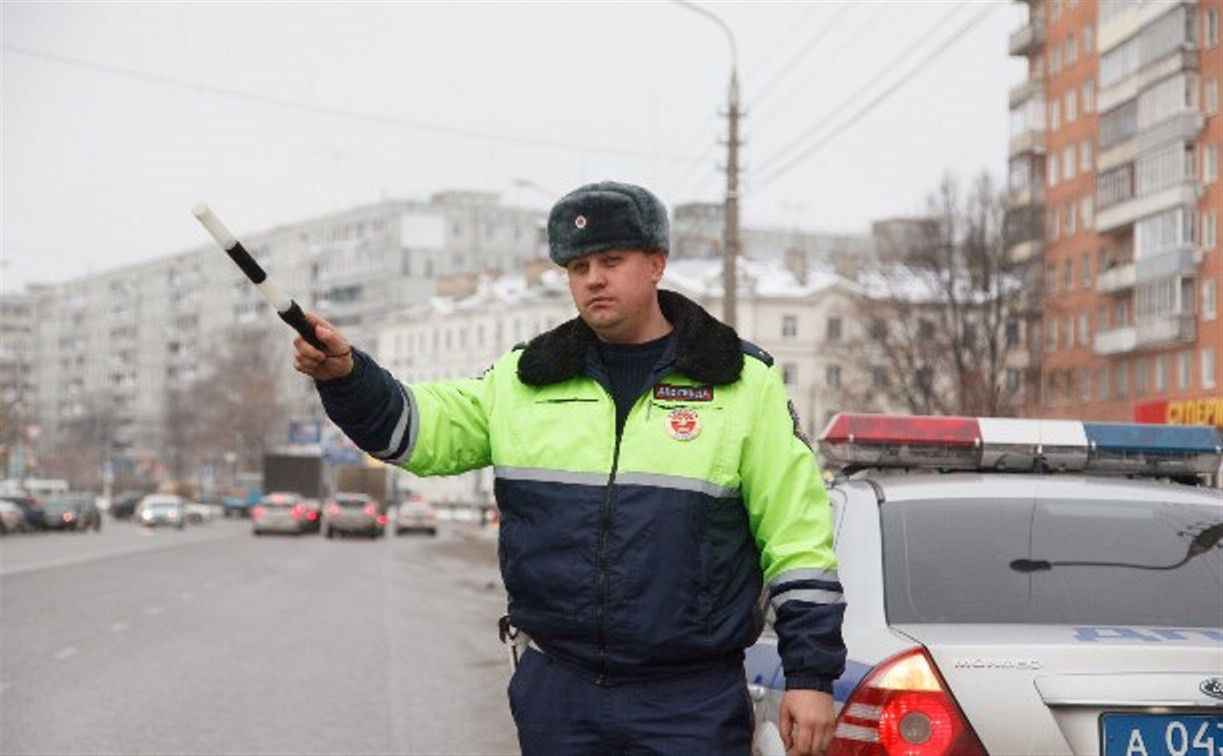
column 730, row 228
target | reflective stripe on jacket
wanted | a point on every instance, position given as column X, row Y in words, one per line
column 645, row 554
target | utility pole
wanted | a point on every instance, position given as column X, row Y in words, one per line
column 730, row 229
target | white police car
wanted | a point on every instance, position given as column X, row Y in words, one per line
column 1022, row 587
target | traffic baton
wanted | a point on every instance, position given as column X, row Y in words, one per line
column 285, row 307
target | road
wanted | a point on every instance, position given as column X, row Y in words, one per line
column 209, row 640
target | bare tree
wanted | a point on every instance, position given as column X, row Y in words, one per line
column 943, row 310
column 238, row 404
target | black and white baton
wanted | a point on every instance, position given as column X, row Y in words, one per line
column 285, row 307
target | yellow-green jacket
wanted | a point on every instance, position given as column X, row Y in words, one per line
column 643, row 555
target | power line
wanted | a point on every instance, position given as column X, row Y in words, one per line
column 352, row 115
column 789, row 66
column 883, row 73
column 871, row 105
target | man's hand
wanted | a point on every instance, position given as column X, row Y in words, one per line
column 807, row 721
column 336, row 362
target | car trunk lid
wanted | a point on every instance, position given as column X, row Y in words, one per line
column 1048, row 678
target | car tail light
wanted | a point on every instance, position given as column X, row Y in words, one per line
column 371, row 510
column 381, row 519
column 257, row 513
column 333, row 509
column 296, row 512
column 311, row 515
column 903, row 707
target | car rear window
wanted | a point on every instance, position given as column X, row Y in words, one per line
column 352, row 503
column 1053, row 562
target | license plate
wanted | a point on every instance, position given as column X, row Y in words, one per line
column 1162, row 735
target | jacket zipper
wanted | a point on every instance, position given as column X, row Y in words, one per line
column 601, row 564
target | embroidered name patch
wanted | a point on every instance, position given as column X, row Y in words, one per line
column 667, row 392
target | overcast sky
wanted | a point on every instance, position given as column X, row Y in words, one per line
column 118, row 117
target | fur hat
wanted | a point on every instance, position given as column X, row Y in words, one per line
column 603, row 216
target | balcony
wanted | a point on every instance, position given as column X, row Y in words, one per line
column 1023, row 224
column 1116, row 279
column 1182, row 127
column 1027, row 39
column 1032, row 194
column 1031, row 140
column 1166, row 330
column 1116, row 341
column 1124, row 213
column 1026, row 90
column 1183, row 261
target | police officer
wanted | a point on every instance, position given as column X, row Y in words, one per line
column 652, row 482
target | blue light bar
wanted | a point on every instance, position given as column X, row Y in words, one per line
column 1154, row 449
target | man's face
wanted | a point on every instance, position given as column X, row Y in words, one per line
column 615, row 291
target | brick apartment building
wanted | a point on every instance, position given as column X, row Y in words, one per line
column 1114, row 186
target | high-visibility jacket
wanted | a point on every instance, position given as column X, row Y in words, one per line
column 639, row 555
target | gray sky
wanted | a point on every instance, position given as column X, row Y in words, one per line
column 118, row 117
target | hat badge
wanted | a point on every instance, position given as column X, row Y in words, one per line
column 580, row 221
column 683, row 424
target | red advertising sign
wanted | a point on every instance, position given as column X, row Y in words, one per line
column 1206, row 411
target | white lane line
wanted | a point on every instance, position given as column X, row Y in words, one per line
column 153, row 610
column 65, row 653
column 118, row 627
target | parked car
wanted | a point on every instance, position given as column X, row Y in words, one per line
column 199, row 512
column 353, row 513
column 124, row 505
column 1013, row 586
column 71, row 511
column 280, row 512
column 31, row 508
column 156, row 510
column 416, row 515
column 12, row 518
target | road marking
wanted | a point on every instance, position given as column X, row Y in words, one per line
column 118, row 627
column 65, row 653
column 153, row 610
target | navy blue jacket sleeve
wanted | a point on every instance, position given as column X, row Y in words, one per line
column 371, row 407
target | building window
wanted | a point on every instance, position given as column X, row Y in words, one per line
column 1087, row 207
column 1068, row 162
column 1210, row 96
column 1084, row 386
column 1068, row 276
column 1085, row 270
column 880, row 378
column 789, row 373
column 1209, row 229
column 1161, row 373
column 1067, row 332
column 1071, row 218
column 1014, row 379
column 1084, row 330
column 1140, row 377
column 832, row 376
column 1085, row 155
column 1072, row 110
column 1209, row 299
column 925, row 329
column 1051, row 279
column 1210, row 163
column 1184, row 370
column 1102, row 384
column 1089, row 39
column 1120, row 380
column 1055, row 60
column 1210, row 29
column 1051, row 173
column 832, row 330
column 1071, row 55
column 1055, row 115
column 1089, row 96
column 1208, row 367
column 789, row 326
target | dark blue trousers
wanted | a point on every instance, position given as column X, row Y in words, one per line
column 559, row 710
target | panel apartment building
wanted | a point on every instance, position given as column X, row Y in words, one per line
column 1114, row 184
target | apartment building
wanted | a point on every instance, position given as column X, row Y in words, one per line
column 1114, row 187
column 110, row 349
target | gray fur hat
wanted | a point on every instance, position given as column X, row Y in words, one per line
column 603, row 216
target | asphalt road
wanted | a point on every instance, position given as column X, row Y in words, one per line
column 209, row 640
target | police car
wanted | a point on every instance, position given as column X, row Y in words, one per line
column 1021, row 587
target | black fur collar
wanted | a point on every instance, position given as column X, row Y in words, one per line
column 706, row 349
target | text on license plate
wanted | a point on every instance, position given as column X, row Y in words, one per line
column 1162, row 735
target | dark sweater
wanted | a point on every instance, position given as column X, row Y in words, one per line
column 628, row 369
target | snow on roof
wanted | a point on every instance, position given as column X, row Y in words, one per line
column 763, row 278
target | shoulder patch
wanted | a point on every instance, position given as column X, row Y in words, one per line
column 752, row 350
